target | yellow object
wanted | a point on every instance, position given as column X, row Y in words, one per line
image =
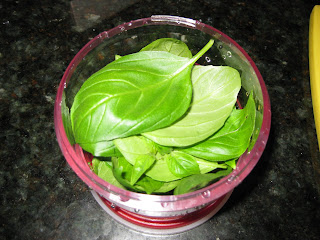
column 314, row 65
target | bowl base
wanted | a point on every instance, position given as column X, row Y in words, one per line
column 161, row 225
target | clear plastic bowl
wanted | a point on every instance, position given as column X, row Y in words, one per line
column 129, row 38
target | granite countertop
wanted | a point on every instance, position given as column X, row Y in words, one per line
column 42, row 198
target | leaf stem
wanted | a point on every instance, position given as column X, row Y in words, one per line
column 201, row 52
column 195, row 57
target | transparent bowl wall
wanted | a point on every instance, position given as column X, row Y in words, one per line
column 129, row 38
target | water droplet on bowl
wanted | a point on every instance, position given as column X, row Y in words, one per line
column 136, row 210
column 207, row 59
column 229, row 54
column 206, row 194
column 113, row 205
column 164, row 204
column 124, row 198
column 232, row 179
column 224, row 56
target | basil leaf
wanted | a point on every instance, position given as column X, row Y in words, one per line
column 122, row 171
column 232, row 139
column 66, row 119
column 132, row 148
column 160, row 171
column 95, row 165
column 140, row 152
column 104, row 170
column 208, row 166
column 167, row 186
column 215, row 90
column 232, row 163
column 115, row 101
column 148, row 185
column 182, row 164
column 141, row 165
column 170, row 45
column 198, row 181
column 102, row 149
column 162, row 149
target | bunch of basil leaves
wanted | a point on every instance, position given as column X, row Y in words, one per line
column 156, row 123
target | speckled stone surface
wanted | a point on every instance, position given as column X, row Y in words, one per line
column 42, row 198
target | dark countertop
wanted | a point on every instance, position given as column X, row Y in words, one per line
column 42, row 198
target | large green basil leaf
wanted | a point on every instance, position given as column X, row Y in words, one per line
column 137, row 93
column 104, row 170
column 232, row 139
column 215, row 90
column 198, row 181
column 170, row 45
column 181, row 164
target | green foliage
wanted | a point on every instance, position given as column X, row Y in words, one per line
column 170, row 126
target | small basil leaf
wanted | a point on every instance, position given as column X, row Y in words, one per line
column 135, row 146
column 167, row 186
column 102, row 149
column 181, row 164
column 170, row 45
column 115, row 101
column 232, row 139
column 104, row 170
column 141, row 165
column 148, row 185
column 66, row 119
column 139, row 151
column 198, row 181
column 232, row 163
column 208, row 166
column 95, row 165
column 163, row 149
column 122, row 170
column 215, row 90
column 160, row 171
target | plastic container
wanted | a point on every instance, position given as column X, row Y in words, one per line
column 154, row 213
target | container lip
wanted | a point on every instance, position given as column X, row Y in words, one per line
column 215, row 190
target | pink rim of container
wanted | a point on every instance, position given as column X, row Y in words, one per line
column 157, row 205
